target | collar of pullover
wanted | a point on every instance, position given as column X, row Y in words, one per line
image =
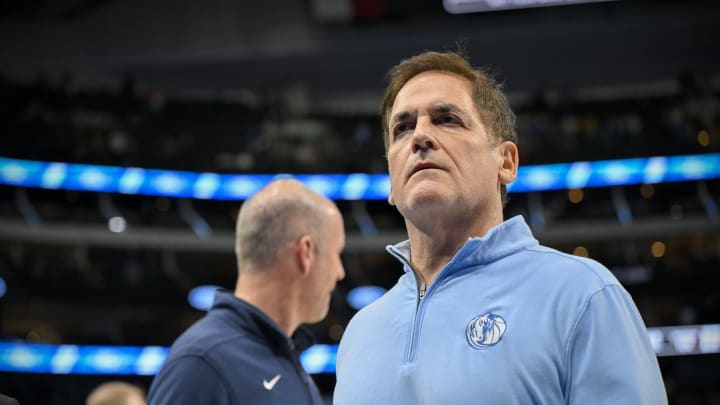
column 256, row 322
column 502, row 240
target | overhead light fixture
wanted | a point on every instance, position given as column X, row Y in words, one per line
column 479, row 6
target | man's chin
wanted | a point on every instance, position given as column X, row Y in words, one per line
column 425, row 199
column 320, row 316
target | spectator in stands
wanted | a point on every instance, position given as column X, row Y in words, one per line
column 483, row 313
column 6, row 400
column 288, row 246
column 116, row 393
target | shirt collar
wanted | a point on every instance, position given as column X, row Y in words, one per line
column 500, row 241
column 253, row 319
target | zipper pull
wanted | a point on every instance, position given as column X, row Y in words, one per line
column 421, row 290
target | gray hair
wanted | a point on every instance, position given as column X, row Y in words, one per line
column 265, row 227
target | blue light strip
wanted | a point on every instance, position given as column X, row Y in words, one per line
column 137, row 360
column 119, row 360
column 356, row 186
column 72, row 359
column 620, row 172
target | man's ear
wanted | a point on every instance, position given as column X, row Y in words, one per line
column 509, row 161
column 305, row 253
column 391, row 199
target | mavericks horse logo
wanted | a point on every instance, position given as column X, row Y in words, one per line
column 485, row 330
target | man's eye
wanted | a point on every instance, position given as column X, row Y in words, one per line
column 448, row 119
column 401, row 128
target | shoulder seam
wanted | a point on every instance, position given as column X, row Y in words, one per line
column 574, row 259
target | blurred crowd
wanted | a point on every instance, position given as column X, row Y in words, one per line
column 129, row 125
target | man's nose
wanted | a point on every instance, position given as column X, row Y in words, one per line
column 423, row 136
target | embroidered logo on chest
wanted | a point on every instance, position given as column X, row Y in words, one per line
column 485, row 330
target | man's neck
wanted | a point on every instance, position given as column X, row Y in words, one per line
column 262, row 292
column 432, row 247
column 429, row 254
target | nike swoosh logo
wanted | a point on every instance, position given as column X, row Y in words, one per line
column 271, row 384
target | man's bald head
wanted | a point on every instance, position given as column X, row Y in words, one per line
column 116, row 393
column 277, row 216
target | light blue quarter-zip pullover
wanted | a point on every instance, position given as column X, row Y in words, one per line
column 506, row 321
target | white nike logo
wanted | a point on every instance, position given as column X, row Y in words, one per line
column 270, row 384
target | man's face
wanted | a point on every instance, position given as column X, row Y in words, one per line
column 327, row 268
column 440, row 156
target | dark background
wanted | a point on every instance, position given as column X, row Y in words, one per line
column 290, row 86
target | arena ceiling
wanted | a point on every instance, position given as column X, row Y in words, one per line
column 295, row 46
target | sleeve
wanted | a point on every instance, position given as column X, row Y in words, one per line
column 188, row 380
column 611, row 360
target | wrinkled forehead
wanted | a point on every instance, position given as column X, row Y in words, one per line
column 431, row 89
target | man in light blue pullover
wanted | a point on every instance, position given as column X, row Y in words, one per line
column 483, row 313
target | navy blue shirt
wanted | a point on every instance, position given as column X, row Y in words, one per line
column 235, row 355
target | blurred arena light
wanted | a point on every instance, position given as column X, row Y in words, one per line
column 581, row 251
column 73, row 359
column 117, row 224
column 657, row 249
column 319, row 359
column 3, row 287
column 137, row 360
column 356, row 186
column 364, row 295
column 478, row 6
column 202, row 297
